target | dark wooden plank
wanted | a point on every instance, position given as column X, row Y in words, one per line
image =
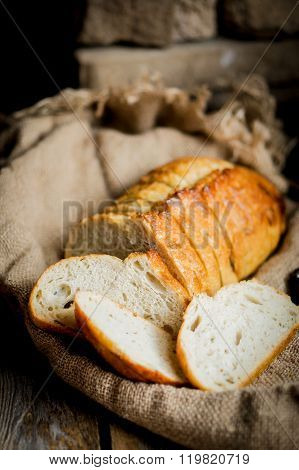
column 52, row 422
column 123, row 439
column 60, row 417
column 128, row 436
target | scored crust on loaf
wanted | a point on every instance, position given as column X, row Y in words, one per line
column 176, row 251
column 185, row 172
column 190, row 218
column 227, row 340
column 250, row 215
column 162, row 182
column 205, row 221
column 141, row 281
column 242, row 219
column 98, row 233
column 135, row 347
column 120, row 230
column 151, row 192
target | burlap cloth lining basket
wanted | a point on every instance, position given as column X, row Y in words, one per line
column 55, row 163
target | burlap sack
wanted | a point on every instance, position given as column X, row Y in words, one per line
column 72, row 164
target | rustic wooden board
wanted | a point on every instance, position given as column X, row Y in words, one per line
column 52, row 422
column 127, row 436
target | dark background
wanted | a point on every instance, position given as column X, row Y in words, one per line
column 51, row 27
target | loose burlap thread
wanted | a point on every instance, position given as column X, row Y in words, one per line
column 62, row 164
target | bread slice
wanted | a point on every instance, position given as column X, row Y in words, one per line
column 227, row 340
column 174, row 247
column 135, row 347
column 122, row 234
column 141, row 282
column 191, row 220
column 205, row 224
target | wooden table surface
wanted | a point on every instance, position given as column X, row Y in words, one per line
column 61, row 417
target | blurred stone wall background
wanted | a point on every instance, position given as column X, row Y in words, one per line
column 98, row 43
column 190, row 42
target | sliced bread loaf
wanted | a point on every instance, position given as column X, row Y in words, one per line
column 135, row 347
column 227, row 340
column 118, row 231
column 141, row 282
column 240, row 224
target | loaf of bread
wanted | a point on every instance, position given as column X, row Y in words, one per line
column 135, row 347
column 227, row 340
column 189, row 228
column 142, row 283
column 211, row 222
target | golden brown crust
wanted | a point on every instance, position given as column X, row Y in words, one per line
column 160, row 183
column 185, row 171
column 163, row 273
column 151, row 192
column 130, row 207
column 119, row 361
column 190, row 217
column 176, row 250
column 251, row 218
column 210, row 227
column 244, row 220
column 271, row 191
column 214, row 260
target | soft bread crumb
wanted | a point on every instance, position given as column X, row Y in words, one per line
column 227, row 340
column 142, row 283
column 135, row 347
